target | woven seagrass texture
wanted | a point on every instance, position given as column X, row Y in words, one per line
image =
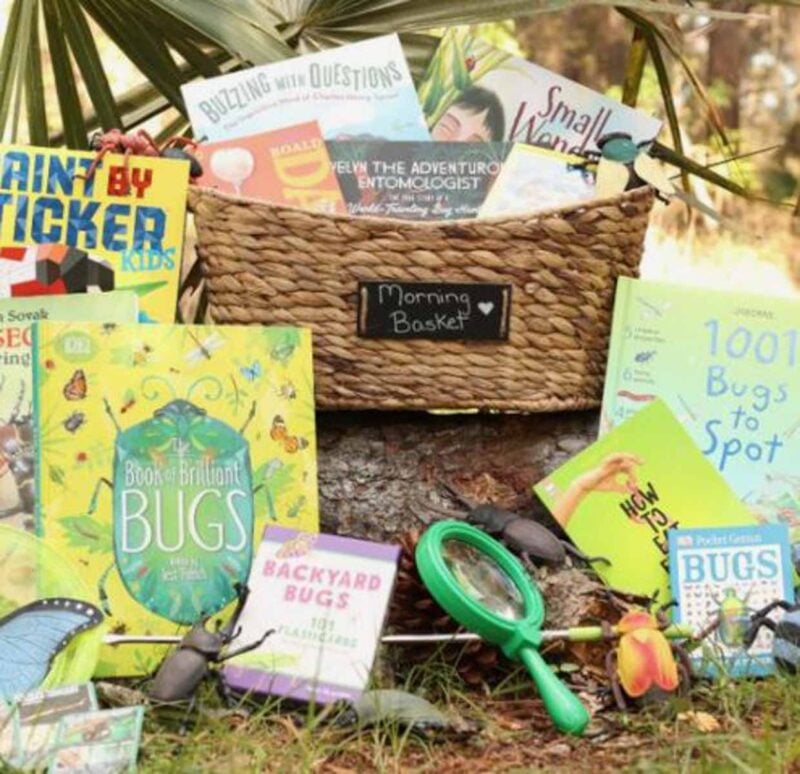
column 268, row 264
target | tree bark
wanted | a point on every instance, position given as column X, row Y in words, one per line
column 379, row 472
column 728, row 53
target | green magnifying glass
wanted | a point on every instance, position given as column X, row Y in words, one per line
column 484, row 587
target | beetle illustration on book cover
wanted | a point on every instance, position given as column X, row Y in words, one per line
column 182, row 472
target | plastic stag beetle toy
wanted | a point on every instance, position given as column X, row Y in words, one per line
column 525, row 537
column 645, row 662
column 183, row 670
column 786, row 644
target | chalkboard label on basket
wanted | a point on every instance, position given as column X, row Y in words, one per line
column 442, row 311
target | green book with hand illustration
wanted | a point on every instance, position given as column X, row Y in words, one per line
column 618, row 498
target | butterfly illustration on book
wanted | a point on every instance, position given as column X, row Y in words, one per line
column 33, row 635
column 279, row 432
column 251, row 372
column 205, row 347
column 76, row 387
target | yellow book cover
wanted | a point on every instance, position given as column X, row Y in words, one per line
column 193, row 439
column 16, row 390
column 69, row 224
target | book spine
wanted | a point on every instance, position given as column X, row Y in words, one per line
column 37, row 440
column 615, row 353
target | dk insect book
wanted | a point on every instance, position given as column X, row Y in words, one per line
column 473, row 91
column 162, row 452
column 68, row 226
column 726, row 575
column 16, row 388
column 364, row 88
column 618, row 498
column 286, row 166
column 416, row 180
column 326, row 596
column 727, row 365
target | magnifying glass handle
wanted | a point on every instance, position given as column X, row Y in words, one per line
column 563, row 706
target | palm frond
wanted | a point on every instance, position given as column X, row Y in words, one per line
column 171, row 42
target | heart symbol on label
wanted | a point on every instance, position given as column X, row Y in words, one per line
column 486, row 307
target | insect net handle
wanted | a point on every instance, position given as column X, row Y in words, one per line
column 563, row 706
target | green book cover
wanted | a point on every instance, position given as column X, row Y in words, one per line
column 16, row 392
column 618, row 498
column 728, row 365
column 164, row 451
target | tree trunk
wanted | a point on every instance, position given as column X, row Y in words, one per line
column 379, row 472
column 728, row 53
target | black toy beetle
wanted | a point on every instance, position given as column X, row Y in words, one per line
column 526, row 537
column 786, row 645
column 183, row 670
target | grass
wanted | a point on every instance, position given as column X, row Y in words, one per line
column 503, row 729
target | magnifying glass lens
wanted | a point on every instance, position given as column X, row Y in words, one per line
column 483, row 580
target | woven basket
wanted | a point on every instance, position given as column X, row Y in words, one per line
column 268, row 264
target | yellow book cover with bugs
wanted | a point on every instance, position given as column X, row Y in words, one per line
column 72, row 221
column 163, row 452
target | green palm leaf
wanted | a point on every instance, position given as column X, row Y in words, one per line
column 173, row 41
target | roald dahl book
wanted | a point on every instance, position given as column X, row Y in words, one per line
column 725, row 575
column 473, row 91
column 16, row 384
column 364, row 88
column 65, row 228
column 326, row 596
column 619, row 498
column 728, row 365
column 286, row 166
column 162, row 451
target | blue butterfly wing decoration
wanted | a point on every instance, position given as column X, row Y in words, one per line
column 33, row 635
column 251, row 372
